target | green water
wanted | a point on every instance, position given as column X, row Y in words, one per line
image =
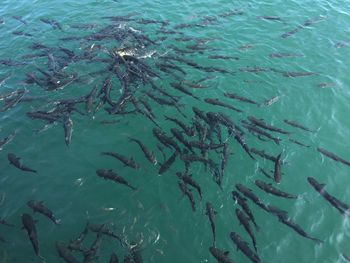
column 156, row 215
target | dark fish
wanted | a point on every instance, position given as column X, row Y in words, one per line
column 268, row 188
column 277, row 175
column 189, row 180
column 166, row 165
column 188, row 193
column 285, row 55
column 188, row 130
column 16, row 161
column 307, row 23
column 240, row 98
column 299, row 143
column 222, row 57
column 332, row 156
column 68, row 129
column 231, row 13
column 102, row 229
column 183, row 90
column 242, row 202
column 20, row 19
column 165, row 140
column 339, row 205
column 249, row 194
column 210, row 212
column 38, row 206
column 264, row 125
column 263, row 154
column 113, row 258
column 254, row 129
column 271, row 18
column 52, row 23
column 148, row 153
column 225, row 156
column 126, row 161
column 29, row 226
column 178, row 135
column 76, row 243
column 65, row 253
column 216, row 102
column 244, row 220
column 288, row 222
column 266, row 173
column 92, row 254
column 345, row 256
column 221, row 256
column 297, row 125
column 244, row 247
column 298, row 74
column 21, row 33
column 110, row 175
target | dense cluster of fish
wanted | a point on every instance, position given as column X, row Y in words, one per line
column 136, row 73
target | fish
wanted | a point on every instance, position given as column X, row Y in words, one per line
column 220, row 255
column 285, row 55
column 188, row 130
column 288, row 222
column 271, row 18
column 52, row 23
column 225, row 156
column 210, row 212
column 148, row 153
column 165, row 140
column 76, row 243
column 216, row 102
column 92, row 254
column 242, row 202
column 188, row 193
column 290, row 74
column 113, row 258
column 110, row 175
column 343, row 208
column 244, row 247
column 307, row 23
column 268, row 188
column 249, row 194
column 38, row 206
column 299, row 143
column 68, row 129
column 183, row 90
column 29, row 225
column 256, row 130
column 263, row 124
column 265, row 173
column 65, row 253
column 179, row 136
column 223, row 57
column 263, row 154
column 102, row 229
column 166, row 165
column 333, row 156
column 126, row 161
column 244, row 220
column 20, row 19
column 277, row 175
column 297, row 125
column 240, row 98
column 189, row 180
column 16, row 161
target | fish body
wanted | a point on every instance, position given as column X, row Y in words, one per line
column 244, row 247
column 68, row 129
column 110, row 175
column 242, row 202
column 148, row 153
column 29, row 225
column 244, row 220
column 333, row 156
column 264, row 125
column 16, row 161
column 188, row 193
column 126, row 161
column 65, row 253
column 39, row 207
column 217, row 102
column 167, row 164
column 277, row 174
column 268, row 188
column 240, row 98
column 210, row 212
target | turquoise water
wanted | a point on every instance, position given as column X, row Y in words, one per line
column 156, row 215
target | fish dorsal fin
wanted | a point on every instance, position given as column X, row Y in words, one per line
column 226, row 253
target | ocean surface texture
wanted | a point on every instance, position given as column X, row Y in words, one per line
column 174, row 131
